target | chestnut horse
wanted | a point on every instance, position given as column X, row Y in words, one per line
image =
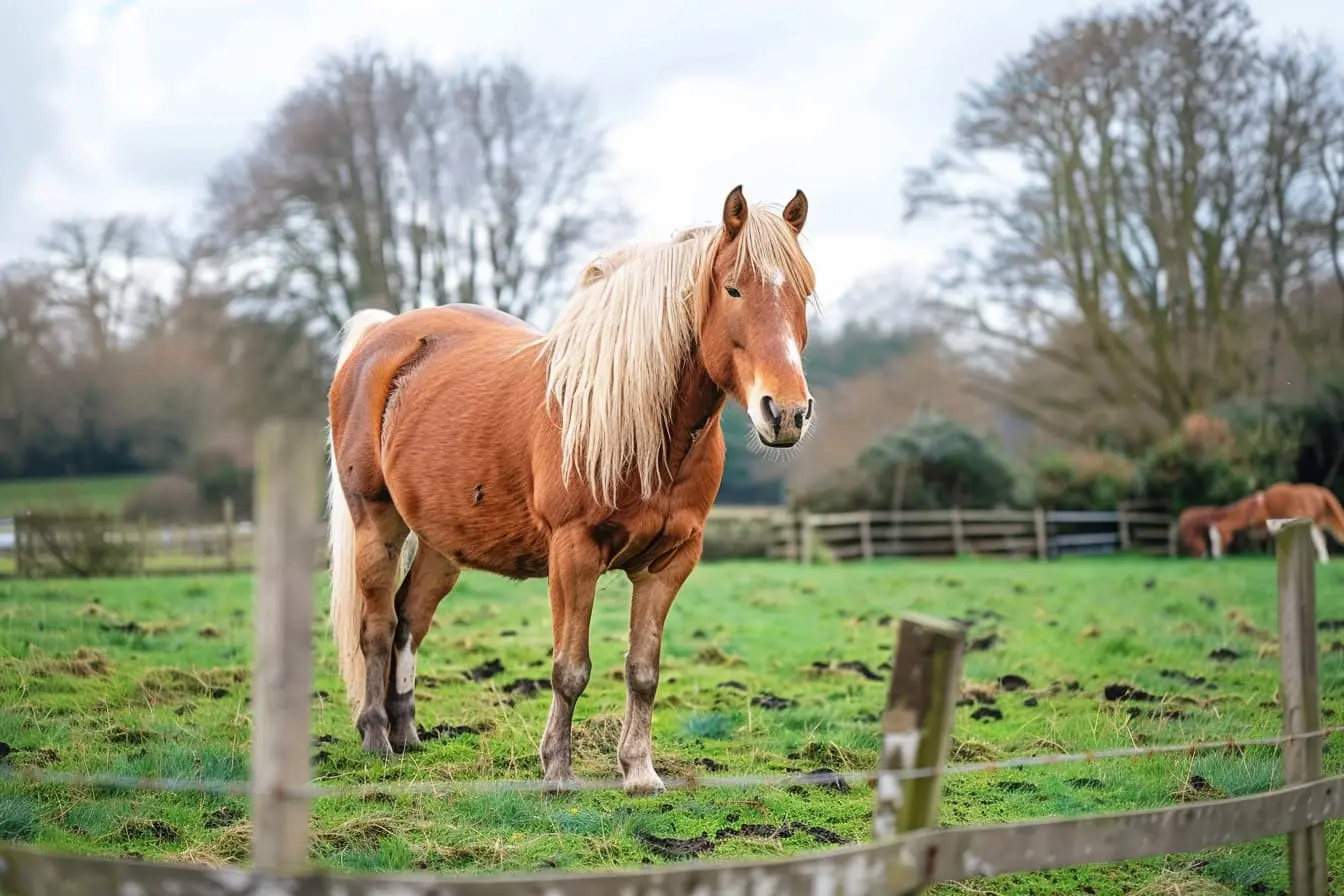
column 478, row 442
column 1282, row 500
column 1193, row 525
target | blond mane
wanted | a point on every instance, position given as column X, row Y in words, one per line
column 616, row 353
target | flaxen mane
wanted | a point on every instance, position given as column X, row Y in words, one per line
column 615, row 354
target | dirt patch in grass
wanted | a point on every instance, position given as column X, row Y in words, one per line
column 169, row 685
column 85, row 662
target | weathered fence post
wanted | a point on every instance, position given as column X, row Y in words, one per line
column 1042, row 542
column 1300, row 685
column 142, row 544
column 866, row 534
column 20, row 546
column 806, row 536
column 958, row 538
column 228, row 534
column 1173, row 539
column 1122, row 523
column 287, row 487
column 917, row 723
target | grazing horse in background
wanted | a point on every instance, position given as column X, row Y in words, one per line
column 594, row 447
column 1194, row 524
column 1282, row 500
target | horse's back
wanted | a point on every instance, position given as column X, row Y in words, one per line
column 453, row 343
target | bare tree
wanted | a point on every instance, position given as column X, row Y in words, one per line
column 94, row 267
column 1157, row 155
column 28, row 353
column 389, row 183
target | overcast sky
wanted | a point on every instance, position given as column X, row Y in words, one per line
column 127, row 105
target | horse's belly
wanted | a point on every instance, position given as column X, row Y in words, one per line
column 497, row 540
column 456, row 454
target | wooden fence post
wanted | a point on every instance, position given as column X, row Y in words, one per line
column 287, row 485
column 866, row 534
column 806, row 535
column 1042, row 541
column 142, row 543
column 20, row 547
column 1122, row 523
column 958, row 539
column 1300, row 686
column 228, row 534
column 917, row 723
column 1173, row 539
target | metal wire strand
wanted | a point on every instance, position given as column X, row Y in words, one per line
column 312, row 790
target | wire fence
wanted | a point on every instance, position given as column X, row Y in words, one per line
column 242, row 786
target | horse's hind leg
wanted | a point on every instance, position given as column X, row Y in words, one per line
column 379, row 534
column 431, row 577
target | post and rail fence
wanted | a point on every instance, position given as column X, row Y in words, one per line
column 908, row 853
column 66, row 542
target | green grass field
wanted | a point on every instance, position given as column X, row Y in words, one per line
column 101, row 492
column 150, row 677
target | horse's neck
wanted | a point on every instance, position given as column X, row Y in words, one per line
column 699, row 400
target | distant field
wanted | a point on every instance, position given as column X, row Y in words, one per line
column 150, row 677
column 103, row 492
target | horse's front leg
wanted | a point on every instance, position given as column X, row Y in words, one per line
column 575, row 564
column 654, row 591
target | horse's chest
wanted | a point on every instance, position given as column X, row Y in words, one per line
column 632, row 544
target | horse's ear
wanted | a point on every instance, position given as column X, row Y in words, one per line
column 795, row 213
column 734, row 212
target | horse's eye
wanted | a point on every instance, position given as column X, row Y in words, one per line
column 733, row 291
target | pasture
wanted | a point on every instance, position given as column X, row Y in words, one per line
column 766, row 668
column 108, row 493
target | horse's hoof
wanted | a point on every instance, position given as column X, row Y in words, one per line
column 559, row 783
column 643, row 783
column 407, row 745
column 376, row 742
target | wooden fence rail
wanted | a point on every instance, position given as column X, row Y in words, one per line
column 909, row 852
column 956, row 531
column 226, row 545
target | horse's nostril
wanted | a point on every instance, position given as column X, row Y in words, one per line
column 798, row 419
column 809, row 410
column 772, row 411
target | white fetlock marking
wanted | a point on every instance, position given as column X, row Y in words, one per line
column 1216, row 541
column 405, row 670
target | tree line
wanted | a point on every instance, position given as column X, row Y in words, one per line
column 128, row 343
column 1153, row 197
column 1156, row 197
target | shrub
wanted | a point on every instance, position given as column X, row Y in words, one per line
column 169, row 498
column 1081, row 480
column 930, row 463
column 219, row 476
column 1182, row 471
column 77, row 542
column 729, row 536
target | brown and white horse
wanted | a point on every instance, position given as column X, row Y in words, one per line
column 593, row 447
column 1282, row 500
column 1194, row 524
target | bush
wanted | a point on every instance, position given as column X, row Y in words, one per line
column 1190, row 468
column 738, row 537
column 169, row 498
column 77, row 542
column 930, row 463
column 1082, row 480
column 219, row 476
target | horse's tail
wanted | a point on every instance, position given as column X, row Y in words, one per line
column 1335, row 515
column 347, row 603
